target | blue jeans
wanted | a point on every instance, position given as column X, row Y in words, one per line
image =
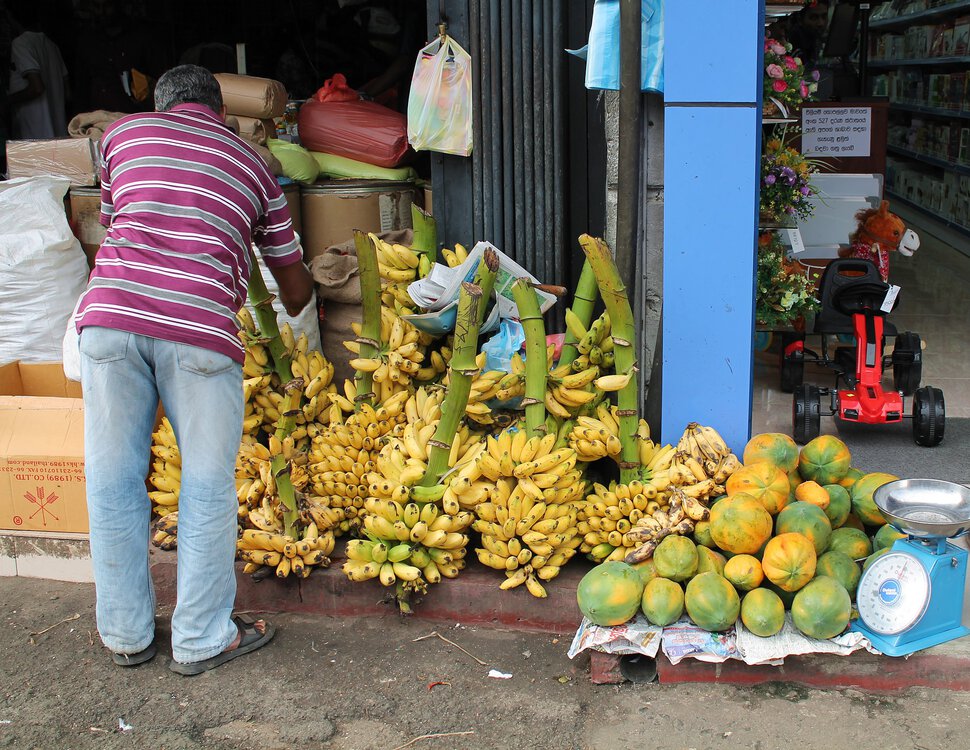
column 123, row 375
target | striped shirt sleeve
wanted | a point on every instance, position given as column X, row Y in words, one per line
column 107, row 205
column 273, row 233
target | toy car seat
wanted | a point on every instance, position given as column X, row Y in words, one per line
column 845, row 286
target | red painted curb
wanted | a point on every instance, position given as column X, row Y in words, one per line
column 474, row 598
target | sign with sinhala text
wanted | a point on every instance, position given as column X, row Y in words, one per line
column 836, row 131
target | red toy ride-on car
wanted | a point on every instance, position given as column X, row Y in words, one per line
column 854, row 302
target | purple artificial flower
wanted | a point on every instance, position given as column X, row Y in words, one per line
column 770, row 179
column 815, row 75
column 806, row 190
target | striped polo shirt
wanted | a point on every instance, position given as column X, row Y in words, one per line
column 183, row 199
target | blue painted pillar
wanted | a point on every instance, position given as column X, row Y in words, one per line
column 712, row 141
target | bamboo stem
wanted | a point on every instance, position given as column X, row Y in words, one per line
column 584, row 300
column 530, row 316
column 623, row 329
column 370, row 326
column 462, row 370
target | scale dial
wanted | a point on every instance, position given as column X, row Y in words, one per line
column 893, row 594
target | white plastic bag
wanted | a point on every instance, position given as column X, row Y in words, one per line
column 43, row 270
column 308, row 321
column 71, row 348
column 440, row 102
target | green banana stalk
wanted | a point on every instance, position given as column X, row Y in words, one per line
column 461, row 371
column 268, row 324
column 581, row 312
column 370, row 326
column 623, row 330
column 530, row 316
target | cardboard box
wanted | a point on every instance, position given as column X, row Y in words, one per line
column 331, row 211
column 42, row 485
column 74, row 158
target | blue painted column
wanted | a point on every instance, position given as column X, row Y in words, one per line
column 712, row 132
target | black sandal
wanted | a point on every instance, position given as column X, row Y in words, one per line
column 250, row 639
column 133, row 660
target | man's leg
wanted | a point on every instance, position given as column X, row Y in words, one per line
column 120, row 402
column 201, row 393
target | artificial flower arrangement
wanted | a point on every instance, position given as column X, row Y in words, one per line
column 784, row 292
column 786, row 83
column 786, row 185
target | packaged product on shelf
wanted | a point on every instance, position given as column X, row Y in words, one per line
column 961, row 36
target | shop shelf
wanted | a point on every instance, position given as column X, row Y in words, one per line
column 948, row 223
column 923, row 15
column 774, row 11
column 921, row 61
column 931, row 160
column 924, row 110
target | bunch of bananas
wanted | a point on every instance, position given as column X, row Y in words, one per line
column 455, row 257
column 399, row 266
column 595, row 344
column 526, row 494
column 597, row 437
column 166, row 476
column 706, row 446
column 402, row 351
column 258, row 548
column 256, row 488
column 342, row 456
column 411, row 545
column 615, row 517
column 679, row 517
column 263, row 390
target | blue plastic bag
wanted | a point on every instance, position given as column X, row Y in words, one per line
column 500, row 348
column 602, row 53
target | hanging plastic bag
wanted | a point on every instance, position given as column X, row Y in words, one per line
column 440, row 102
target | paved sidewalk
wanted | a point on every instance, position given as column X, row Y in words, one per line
column 360, row 683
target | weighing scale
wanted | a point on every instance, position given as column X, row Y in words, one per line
column 911, row 598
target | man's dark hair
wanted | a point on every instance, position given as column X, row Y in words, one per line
column 187, row 84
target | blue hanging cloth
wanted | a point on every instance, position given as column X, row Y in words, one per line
column 602, row 53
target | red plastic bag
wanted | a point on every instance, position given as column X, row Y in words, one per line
column 365, row 131
column 335, row 89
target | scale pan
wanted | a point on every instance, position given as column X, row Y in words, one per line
column 925, row 508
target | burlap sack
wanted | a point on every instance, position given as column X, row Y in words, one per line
column 338, row 287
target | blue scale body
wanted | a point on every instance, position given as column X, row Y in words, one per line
column 946, row 567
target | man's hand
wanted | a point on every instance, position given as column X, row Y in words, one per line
column 296, row 286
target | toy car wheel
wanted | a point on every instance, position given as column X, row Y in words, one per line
column 929, row 416
column 907, row 362
column 806, row 413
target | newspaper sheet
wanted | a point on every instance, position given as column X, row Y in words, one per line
column 637, row 636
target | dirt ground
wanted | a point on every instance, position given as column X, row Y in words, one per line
column 356, row 684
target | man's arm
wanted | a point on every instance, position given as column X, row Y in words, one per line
column 296, row 286
column 35, row 87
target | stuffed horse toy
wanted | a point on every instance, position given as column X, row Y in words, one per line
column 878, row 233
